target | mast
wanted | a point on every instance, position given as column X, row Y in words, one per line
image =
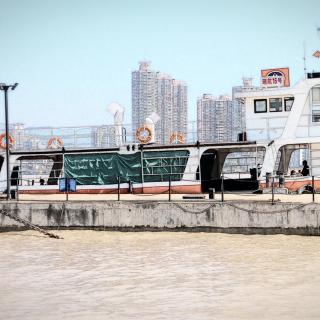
column 304, row 60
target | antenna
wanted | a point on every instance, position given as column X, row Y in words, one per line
column 304, row 60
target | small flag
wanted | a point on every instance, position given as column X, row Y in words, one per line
column 317, row 54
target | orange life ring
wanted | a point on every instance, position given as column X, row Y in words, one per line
column 3, row 143
column 55, row 143
column 177, row 138
column 144, row 134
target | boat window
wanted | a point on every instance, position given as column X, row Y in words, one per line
column 260, row 105
column 316, row 113
column 316, row 94
column 275, row 104
column 288, row 102
column 315, row 104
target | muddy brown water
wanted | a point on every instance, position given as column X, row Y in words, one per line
column 165, row 275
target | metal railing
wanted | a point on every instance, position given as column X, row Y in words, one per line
column 215, row 189
column 107, row 136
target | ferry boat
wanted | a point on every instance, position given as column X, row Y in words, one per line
column 279, row 120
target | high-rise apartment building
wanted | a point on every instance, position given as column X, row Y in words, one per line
column 143, row 94
column 158, row 92
column 213, row 118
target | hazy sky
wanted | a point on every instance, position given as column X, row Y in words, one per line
column 72, row 57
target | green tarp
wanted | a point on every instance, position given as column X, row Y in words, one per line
column 104, row 168
column 160, row 165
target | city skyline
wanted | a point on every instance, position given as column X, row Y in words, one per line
column 72, row 59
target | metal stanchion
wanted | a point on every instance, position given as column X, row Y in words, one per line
column 272, row 190
column 313, row 191
column 268, row 175
column 118, row 178
column 222, row 189
column 169, row 188
column 67, row 188
column 17, row 191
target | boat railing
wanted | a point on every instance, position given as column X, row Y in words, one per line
column 109, row 136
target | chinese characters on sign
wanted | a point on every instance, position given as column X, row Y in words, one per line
column 278, row 81
column 275, row 77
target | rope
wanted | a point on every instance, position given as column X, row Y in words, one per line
column 243, row 209
column 29, row 225
column 193, row 212
column 269, row 212
column 151, row 195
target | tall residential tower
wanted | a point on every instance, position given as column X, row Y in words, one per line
column 158, row 92
column 213, row 118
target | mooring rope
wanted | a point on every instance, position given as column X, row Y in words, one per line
column 29, row 225
column 243, row 209
column 193, row 212
column 270, row 212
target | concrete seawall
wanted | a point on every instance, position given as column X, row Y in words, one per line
column 247, row 217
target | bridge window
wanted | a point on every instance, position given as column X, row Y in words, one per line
column 315, row 104
column 275, row 104
column 260, row 105
column 288, row 102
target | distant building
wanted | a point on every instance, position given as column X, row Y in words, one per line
column 143, row 94
column 106, row 137
column 238, row 111
column 214, row 118
column 160, row 93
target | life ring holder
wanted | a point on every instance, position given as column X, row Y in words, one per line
column 177, row 138
column 55, row 143
column 3, row 144
column 144, row 134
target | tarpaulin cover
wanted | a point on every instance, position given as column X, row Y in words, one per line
column 160, row 165
column 104, row 168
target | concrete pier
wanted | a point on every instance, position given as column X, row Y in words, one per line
column 247, row 217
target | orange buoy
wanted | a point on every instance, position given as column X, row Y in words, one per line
column 144, row 134
column 177, row 138
column 3, row 143
column 55, row 143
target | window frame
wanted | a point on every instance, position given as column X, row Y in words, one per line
column 315, row 106
column 260, row 100
column 315, row 113
column 316, row 88
column 285, row 99
column 280, row 99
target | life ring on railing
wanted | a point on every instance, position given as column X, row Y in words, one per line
column 144, row 134
column 55, row 143
column 177, row 138
column 3, row 143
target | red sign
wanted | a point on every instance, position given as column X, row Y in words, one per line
column 278, row 77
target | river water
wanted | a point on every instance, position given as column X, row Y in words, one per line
column 165, row 275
